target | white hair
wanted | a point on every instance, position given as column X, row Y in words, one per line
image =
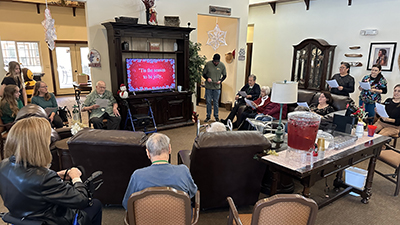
column 157, row 144
column 216, row 127
column 267, row 89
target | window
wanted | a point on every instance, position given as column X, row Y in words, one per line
column 26, row 53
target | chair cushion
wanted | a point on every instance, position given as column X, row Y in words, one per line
column 245, row 218
column 390, row 157
column 304, row 95
column 285, row 213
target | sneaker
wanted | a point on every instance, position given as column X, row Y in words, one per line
column 217, row 119
column 223, row 121
column 207, row 119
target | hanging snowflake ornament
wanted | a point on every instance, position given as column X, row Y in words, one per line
column 216, row 37
column 50, row 30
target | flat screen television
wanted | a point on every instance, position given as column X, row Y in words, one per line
column 150, row 74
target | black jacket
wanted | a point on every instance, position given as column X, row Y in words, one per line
column 254, row 92
column 37, row 193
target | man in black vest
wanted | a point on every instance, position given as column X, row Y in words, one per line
column 251, row 91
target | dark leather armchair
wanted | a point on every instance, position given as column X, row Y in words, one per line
column 222, row 164
column 115, row 152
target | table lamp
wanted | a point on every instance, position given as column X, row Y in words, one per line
column 283, row 93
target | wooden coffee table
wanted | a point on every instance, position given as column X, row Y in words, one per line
column 309, row 170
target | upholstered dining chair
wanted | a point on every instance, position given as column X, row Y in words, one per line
column 391, row 156
column 162, row 205
column 280, row 209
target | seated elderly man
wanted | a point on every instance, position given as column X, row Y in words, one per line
column 160, row 173
column 108, row 108
column 252, row 91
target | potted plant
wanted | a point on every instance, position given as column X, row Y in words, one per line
column 196, row 64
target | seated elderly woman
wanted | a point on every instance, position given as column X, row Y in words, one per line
column 271, row 110
column 31, row 191
column 256, row 107
column 324, row 104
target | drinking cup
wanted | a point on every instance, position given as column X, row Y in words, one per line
column 371, row 130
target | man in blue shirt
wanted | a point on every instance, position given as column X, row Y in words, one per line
column 160, row 173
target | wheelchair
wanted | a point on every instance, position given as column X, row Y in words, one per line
column 92, row 184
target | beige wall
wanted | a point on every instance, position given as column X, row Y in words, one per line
column 187, row 10
column 334, row 21
column 250, row 33
column 20, row 22
column 230, row 25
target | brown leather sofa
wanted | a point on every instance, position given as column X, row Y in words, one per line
column 222, row 164
column 115, row 152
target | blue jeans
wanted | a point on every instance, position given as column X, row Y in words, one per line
column 212, row 95
column 370, row 108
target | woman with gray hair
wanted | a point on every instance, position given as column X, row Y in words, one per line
column 256, row 107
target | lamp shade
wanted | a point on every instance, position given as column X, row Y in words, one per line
column 284, row 92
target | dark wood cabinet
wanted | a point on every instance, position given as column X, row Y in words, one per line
column 312, row 63
column 126, row 40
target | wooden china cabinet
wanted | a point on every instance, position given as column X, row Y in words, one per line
column 312, row 63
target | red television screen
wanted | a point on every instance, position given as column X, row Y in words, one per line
column 150, row 74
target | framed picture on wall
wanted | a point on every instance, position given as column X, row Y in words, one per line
column 382, row 54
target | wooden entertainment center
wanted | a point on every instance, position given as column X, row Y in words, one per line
column 130, row 40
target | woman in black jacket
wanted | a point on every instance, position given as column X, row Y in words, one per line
column 31, row 191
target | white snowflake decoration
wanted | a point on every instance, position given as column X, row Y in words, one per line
column 50, row 30
column 216, row 37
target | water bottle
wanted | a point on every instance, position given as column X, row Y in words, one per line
column 360, row 129
column 76, row 118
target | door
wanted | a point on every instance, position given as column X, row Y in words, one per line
column 68, row 60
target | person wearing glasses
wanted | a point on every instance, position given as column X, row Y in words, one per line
column 108, row 111
column 345, row 81
column 46, row 100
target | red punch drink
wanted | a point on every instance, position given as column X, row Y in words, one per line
column 302, row 130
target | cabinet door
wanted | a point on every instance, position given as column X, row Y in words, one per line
column 176, row 106
column 316, row 68
column 300, row 66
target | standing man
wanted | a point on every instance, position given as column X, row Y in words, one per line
column 102, row 105
column 214, row 72
column 253, row 92
column 160, row 173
